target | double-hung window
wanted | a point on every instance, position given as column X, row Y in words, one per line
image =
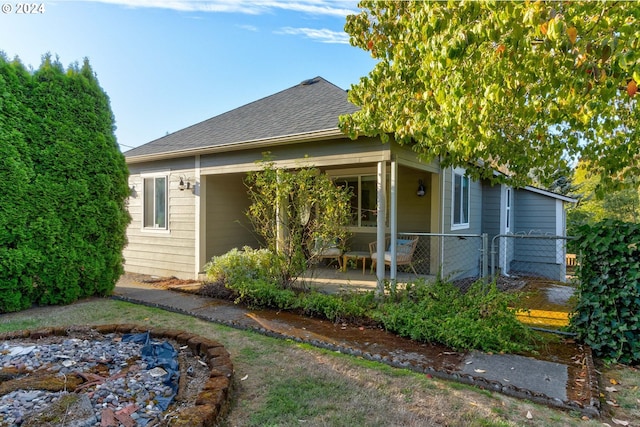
column 155, row 202
column 461, row 200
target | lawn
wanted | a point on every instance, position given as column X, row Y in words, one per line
column 283, row 383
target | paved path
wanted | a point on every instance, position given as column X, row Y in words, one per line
column 537, row 380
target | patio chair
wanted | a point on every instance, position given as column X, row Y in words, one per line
column 331, row 249
column 404, row 252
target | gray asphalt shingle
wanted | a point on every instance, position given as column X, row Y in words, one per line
column 310, row 106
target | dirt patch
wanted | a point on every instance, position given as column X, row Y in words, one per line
column 168, row 282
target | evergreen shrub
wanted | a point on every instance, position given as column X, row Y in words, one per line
column 63, row 224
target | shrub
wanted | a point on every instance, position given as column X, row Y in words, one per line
column 483, row 318
column 253, row 274
column 62, row 227
column 354, row 306
column 607, row 315
column 297, row 213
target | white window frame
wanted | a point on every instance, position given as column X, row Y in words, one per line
column 461, row 173
column 358, row 175
column 154, row 177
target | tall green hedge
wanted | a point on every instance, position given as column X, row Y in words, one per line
column 607, row 316
column 64, row 186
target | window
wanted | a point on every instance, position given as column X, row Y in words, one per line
column 364, row 211
column 155, row 202
column 460, row 203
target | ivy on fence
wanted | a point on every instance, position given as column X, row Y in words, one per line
column 607, row 316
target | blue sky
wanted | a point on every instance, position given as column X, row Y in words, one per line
column 170, row 64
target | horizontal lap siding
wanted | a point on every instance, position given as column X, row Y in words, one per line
column 460, row 261
column 227, row 224
column 535, row 214
column 163, row 252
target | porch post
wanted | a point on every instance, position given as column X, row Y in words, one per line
column 281, row 218
column 393, row 218
column 381, row 225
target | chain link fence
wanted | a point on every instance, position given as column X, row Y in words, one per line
column 459, row 256
column 530, row 255
column 452, row 256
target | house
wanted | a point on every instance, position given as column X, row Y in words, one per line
column 188, row 199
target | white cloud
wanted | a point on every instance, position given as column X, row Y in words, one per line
column 247, row 27
column 321, row 35
column 250, row 7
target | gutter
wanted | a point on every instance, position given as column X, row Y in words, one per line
column 333, row 133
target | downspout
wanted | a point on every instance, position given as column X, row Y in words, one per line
column 393, row 218
column 380, row 226
column 200, row 223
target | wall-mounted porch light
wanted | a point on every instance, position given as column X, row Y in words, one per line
column 421, row 189
column 182, row 186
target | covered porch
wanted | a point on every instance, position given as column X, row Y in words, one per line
column 331, row 279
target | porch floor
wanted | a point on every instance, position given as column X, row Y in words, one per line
column 329, row 278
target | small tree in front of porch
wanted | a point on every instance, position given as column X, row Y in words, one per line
column 297, row 214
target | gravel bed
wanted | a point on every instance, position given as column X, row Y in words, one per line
column 121, row 387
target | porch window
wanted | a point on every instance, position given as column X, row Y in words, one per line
column 155, row 202
column 363, row 199
column 460, row 203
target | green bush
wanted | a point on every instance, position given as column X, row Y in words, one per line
column 63, row 224
column 254, row 275
column 607, row 315
column 483, row 318
column 354, row 306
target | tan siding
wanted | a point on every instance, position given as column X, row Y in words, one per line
column 413, row 211
column 227, row 224
column 163, row 252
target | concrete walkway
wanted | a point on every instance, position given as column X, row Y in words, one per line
column 546, row 382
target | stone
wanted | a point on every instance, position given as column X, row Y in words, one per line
column 71, row 409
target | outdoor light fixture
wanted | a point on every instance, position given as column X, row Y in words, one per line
column 182, row 185
column 421, row 190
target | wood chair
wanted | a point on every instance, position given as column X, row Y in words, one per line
column 404, row 252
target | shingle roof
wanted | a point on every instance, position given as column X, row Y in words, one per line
column 311, row 106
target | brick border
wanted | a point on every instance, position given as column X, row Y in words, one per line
column 213, row 401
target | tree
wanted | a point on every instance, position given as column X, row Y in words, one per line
column 297, row 213
column 621, row 204
column 525, row 87
column 63, row 224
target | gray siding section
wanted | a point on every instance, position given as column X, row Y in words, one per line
column 491, row 207
column 460, row 262
column 536, row 214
